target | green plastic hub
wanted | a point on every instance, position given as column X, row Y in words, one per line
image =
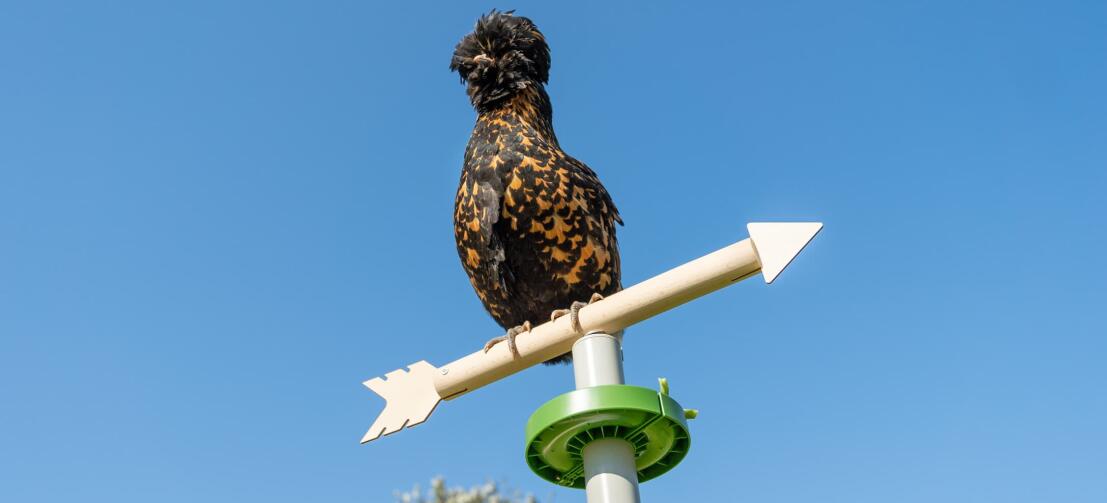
column 651, row 421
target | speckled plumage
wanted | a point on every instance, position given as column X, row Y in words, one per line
column 535, row 228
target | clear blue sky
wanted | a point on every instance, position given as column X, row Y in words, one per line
column 218, row 218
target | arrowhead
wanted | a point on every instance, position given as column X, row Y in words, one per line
column 409, row 397
column 777, row 243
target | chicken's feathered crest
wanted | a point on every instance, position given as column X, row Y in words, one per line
column 503, row 55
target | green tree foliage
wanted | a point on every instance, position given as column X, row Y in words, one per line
column 439, row 493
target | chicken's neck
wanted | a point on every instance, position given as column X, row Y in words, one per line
column 531, row 107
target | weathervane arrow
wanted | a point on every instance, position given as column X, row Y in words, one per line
column 412, row 395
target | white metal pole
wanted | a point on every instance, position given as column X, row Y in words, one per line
column 597, row 360
column 609, row 470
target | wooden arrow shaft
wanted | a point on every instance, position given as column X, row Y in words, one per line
column 621, row 310
column 412, row 395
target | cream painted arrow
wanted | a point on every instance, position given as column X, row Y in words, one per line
column 412, row 395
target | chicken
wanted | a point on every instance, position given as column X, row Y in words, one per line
column 535, row 228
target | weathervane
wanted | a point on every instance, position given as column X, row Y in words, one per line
column 605, row 436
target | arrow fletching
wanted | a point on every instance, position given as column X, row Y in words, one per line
column 409, row 396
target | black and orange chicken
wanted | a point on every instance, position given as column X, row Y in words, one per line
column 535, row 228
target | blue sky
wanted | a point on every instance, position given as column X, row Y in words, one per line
column 218, row 218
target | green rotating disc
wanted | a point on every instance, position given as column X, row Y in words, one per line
column 651, row 421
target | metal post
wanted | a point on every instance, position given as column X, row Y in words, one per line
column 609, row 470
